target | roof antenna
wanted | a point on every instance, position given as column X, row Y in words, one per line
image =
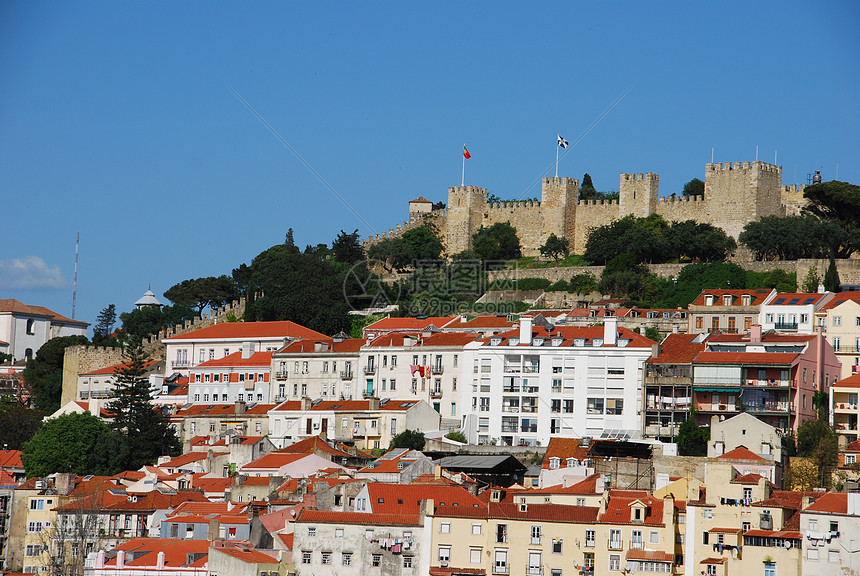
column 75, row 284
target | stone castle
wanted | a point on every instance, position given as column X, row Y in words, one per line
column 735, row 193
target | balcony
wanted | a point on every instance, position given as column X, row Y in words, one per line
column 281, row 375
column 438, row 369
column 785, row 325
column 615, row 545
column 346, row 374
column 369, row 393
column 369, row 370
column 501, row 570
column 435, row 394
column 180, row 364
column 514, row 409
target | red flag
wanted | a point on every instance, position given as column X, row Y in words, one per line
column 466, row 154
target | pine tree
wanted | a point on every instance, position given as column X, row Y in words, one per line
column 147, row 432
column 104, row 324
column 812, row 280
column 831, row 277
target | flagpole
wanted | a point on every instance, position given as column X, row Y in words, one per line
column 556, row 160
column 463, row 179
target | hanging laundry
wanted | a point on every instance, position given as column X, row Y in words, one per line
column 413, row 368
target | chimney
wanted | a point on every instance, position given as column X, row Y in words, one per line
column 120, row 559
column 240, row 407
column 247, row 349
column 306, row 403
column 373, row 403
column 160, row 562
column 526, row 330
column 437, row 471
column 755, row 333
column 610, row 330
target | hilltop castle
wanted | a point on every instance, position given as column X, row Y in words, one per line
column 735, row 193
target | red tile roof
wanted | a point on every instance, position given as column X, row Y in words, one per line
column 836, row 503
column 650, row 556
column 113, row 369
column 175, row 552
column 358, row 518
column 249, row 556
column 757, row 299
column 255, row 481
column 587, row 486
column 11, row 459
column 840, row 298
column 235, row 359
column 513, row 511
column 273, row 460
column 184, row 459
column 312, row 444
column 482, row 322
column 157, row 501
column 751, row 478
column 207, row 507
column 451, row 571
column 404, row 498
column 409, row 323
column 852, row 381
column 248, row 330
column 789, row 534
column 568, row 333
column 308, row 346
column 619, row 510
column 742, row 453
column 678, row 349
column 757, row 358
column 16, row 307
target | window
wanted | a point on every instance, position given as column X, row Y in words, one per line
column 614, row 539
column 34, row 527
column 312, row 531
column 326, row 558
column 445, row 528
column 535, row 535
column 837, row 320
column 306, row 557
column 444, row 553
column 376, row 560
column 474, row 555
column 557, row 545
column 554, row 463
column 534, row 562
column 769, row 569
column 748, row 492
column 476, row 528
column 708, row 514
column 501, row 533
column 614, row 562
column 636, row 539
column 699, row 322
column 654, row 537
column 567, row 406
column 453, row 408
column 346, row 558
column 595, row 406
column 407, row 560
column 589, row 538
column 33, row 550
column 37, row 504
column 500, row 562
column 812, row 554
column 31, row 326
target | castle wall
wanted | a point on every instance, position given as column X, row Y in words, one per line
column 526, row 217
column 592, row 214
column 741, row 192
column 680, row 208
column 83, row 359
column 638, row 194
column 558, row 205
column 792, row 199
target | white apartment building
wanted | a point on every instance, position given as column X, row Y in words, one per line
column 241, row 376
column 417, row 366
column 529, row 385
column 789, row 312
column 24, row 328
column 831, row 529
column 840, row 320
column 185, row 351
column 324, row 368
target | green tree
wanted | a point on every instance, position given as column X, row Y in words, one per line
column 68, row 443
column 700, row 241
column 791, row 237
column 647, row 239
column 104, row 324
column 18, row 423
column 583, row 283
column 587, row 190
column 347, row 247
column 698, row 276
column 817, row 440
column 411, row 439
column 304, row 289
column 141, row 322
column 457, row 436
column 498, row 242
column 146, row 431
column 811, row 280
column 421, row 243
column 44, row 373
column 555, row 248
column 694, row 187
column 693, row 439
column 624, row 277
column 831, row 277
column 213, row 291
column 838, row 202
column 652, row 333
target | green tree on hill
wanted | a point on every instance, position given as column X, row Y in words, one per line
column 498, row 242
column 694, row 187
column 555, row 248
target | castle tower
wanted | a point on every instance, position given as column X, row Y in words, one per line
column 638, row 194
column 742, row 192
column 466, row 205
column 558, row 207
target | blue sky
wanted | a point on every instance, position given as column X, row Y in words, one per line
column 117, row 119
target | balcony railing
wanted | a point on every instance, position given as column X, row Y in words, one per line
column 435, row 394
column 346, row 374
column 368, row 370
column 369, row 393
column 615, row 545
column 281, row 375
column 180, row 364
column 785, row 325
column 438, row 369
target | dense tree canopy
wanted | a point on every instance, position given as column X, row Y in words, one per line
column 104, row 325
column 414, row 247
column 18, row 423
column 44, row 373
column 411, row 439
column 587, row 190
column 347, row 247
column 498, row 242
column 694, row 187
column 792, row 237
column 653, row 240
column 693, row 439
column 141, row 322
column 78, row 443
column 213, row 291
column 838, row 202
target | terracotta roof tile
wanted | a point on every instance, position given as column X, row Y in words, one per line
column 758, row 358
column 249, row 556
column 678, row 349
column 741, row 453
column 239, row 330
column 259, row 359
column 358, row 518
column 14, row 306
column 833, row 502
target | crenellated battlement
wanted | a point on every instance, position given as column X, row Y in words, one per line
column 525, row 204
column 597, row 203
column 648, row 176
column 761, row 166
column 685, row 199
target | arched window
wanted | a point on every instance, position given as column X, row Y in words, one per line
column 31, row 326
column 28, row 353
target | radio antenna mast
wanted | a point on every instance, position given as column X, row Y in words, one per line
column 75, row 284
